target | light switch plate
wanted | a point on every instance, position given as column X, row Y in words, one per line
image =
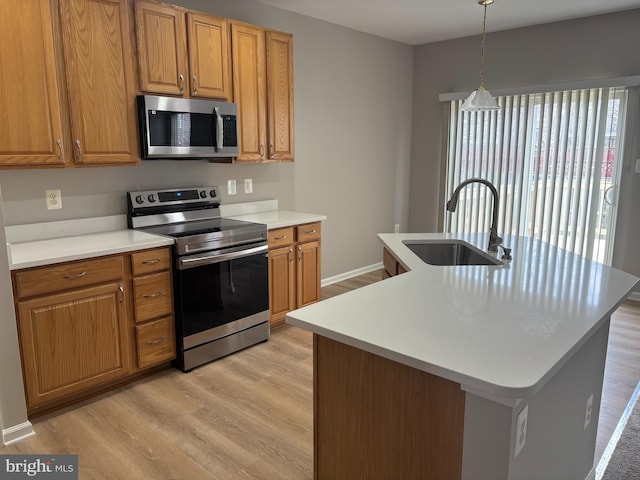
column 231, row 187
column 248, row 185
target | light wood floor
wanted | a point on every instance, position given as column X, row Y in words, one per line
column 246, row 416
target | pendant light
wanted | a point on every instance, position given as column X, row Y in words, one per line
column 480, row 99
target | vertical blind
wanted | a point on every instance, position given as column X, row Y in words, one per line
column 553, row 158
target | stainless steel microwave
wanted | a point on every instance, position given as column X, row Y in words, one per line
column 185, row 128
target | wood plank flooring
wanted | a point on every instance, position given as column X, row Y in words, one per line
column 246, row 416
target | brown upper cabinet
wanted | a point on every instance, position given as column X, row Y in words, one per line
column 30, row 117
column 70, row 99
column 97, row 37
column 263, row 90
column 181, row 52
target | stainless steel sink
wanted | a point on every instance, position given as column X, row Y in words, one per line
column 449, row 252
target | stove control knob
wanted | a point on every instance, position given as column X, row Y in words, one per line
column 139, row 199
column 203, row 194
column 151, row 198
column 213, row 193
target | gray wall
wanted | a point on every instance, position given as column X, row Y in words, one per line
column 589, row 48
column 13, row 411
column 352, row 145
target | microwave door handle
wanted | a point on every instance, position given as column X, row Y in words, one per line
column 219, row 130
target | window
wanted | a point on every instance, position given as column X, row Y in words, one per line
column 555, row 159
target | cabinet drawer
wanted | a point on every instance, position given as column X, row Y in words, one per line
column 155, row 342
column 308, row 232
column 68, row 275
column 150, row 261
column 152, row 296
column 280, row 237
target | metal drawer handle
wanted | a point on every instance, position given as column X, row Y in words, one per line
column 79, row 275
column 195, row 84
column 79, row 150
column 309, row 232
column 151, row 262
column 152, row 295
column 59, row 142
column 121, row 288
column 181, row 78
column 155, row 342
column 280, row 238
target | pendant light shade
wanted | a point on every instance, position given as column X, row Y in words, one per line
column 481, row 99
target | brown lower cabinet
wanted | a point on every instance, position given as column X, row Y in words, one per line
column 294, row 269
column 392, row 267
column 78, row 326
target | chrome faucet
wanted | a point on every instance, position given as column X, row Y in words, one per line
column 494, row 239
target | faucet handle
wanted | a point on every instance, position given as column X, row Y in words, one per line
column 507, row 253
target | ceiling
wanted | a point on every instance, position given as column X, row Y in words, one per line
column 416, row 22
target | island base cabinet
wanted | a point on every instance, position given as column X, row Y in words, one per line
column 377, row 419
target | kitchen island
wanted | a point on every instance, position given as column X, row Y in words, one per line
column 470, row 372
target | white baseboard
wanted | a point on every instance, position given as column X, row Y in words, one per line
column 17, row 433
column 350, row 274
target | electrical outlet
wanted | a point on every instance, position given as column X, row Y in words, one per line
column 248, row 185
column 587, row 411
column 521, row 430
column 53, row 199
column 231, row 187
column 396, row 228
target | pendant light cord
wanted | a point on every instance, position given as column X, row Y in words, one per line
column 484, row 27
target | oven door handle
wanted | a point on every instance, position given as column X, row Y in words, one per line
column 197, row 261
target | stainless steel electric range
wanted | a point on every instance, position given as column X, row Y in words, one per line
column 220, row 271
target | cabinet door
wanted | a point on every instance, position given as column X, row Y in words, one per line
column 249, row 90
column 209, row 56
column 100, row 79
column 73, row 341
column 280, row 96
column 308, row 273
column 162, row 48
column 281, row 283
column 30, row 118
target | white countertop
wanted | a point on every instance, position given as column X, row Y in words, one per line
column 63, row 249
column 279, row 218
column 499, row 331
column 35, row 245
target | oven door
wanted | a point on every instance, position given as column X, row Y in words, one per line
column 220, row 293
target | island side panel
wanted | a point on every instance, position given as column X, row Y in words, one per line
column 376, row 418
